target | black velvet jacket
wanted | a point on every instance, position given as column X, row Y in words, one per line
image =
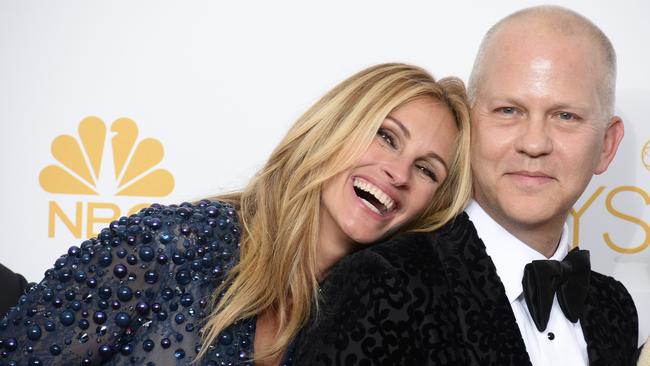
column 436, row 299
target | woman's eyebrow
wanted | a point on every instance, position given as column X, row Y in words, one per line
column 405, row 130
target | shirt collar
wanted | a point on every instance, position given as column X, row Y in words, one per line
column 509, row 254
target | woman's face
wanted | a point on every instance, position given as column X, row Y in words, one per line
column 395, row 179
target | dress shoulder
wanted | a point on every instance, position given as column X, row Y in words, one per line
column 135, row 293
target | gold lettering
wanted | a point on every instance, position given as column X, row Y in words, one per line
column 91, row 219
column 55, row 210
column 608, row 204
column 578, row 214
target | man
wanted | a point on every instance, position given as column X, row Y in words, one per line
column 12, row 286
column 542, row 97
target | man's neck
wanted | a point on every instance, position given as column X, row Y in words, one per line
column 542, row 237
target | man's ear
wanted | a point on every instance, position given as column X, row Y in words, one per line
column 612, row 138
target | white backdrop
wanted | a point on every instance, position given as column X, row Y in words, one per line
column 216, row 84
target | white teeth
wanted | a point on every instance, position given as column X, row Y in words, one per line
column 376, row 192
column 370, row 206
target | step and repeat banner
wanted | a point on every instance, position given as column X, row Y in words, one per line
column 109, row 106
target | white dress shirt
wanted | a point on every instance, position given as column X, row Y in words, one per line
column 562, row 343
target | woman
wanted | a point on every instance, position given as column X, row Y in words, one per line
column 384, row 151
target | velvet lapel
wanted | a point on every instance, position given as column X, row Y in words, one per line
column 489, row 332
column 600, row 348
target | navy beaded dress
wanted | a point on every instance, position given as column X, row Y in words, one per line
column 136, row 294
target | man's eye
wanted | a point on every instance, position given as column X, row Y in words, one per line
column 566, row 116
column 428, row 172
column 386, row 136
column 507, row 110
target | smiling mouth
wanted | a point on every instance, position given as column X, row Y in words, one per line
column 373, row 197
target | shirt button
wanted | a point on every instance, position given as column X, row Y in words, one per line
column 551, row 336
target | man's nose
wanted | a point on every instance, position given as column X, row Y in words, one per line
column 534, row 139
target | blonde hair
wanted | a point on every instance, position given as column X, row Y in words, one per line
column 279, row 209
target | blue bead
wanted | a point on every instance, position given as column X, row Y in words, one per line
column 122, row 319
column 179, row 354
column 186, row 300
column 131, row 239
column 55, row 349
column 104, row 258
column 50, row 326
column 179, row 318
column 124, row 293
column 165, row 238
column 150, row 277
column 156, row 307
column 48, row 294
column 120, row 270
column 67, row 317
column 165, row 343
column 60, row 263
column 74, row 251
column 83, row 324
column 102, row 304
column 148, row 345
column 127, row 349
column 34, row 362
column 104, row 292
column 155, row 223
column 177, row 258
column 132, row 260
column 115, row 304
column 91, row 282
column 167, row 294
column 225, row 337
column 105, row 351
column 64, row 275
column 189, row 327
column 69, row 295
column 183, row 277
column 99, row 317
column 162, row 315
column 34, row 332
column 121, row 253
column 86, row 258
column 10, row 344
column 146, row 237
column 75, row 305
column 142, row 308
column 162, row 259
column 80, row 276
column 146, row 253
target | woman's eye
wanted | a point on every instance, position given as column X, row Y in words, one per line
column 428, row 172
column 386, row 136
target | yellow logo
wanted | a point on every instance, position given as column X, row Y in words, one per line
column 81, row 162
column 645, row 155
column 134, row 174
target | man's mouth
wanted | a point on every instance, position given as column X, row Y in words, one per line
column 373, row 197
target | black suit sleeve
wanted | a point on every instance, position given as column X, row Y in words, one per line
column 380, row 308
column 13, row 286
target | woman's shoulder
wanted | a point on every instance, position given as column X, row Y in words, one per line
column 145, row 277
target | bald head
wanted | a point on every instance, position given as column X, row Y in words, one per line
column 532, row 28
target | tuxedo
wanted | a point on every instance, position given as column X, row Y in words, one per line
column 13, row 286
column 436, row 299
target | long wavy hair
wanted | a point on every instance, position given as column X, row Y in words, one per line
column 279, row 208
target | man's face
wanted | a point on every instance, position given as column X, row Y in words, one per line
column 538, row 128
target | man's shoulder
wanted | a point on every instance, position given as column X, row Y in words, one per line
column 606, row 290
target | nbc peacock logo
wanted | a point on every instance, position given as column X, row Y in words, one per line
column 645, row 155
column 84, row 168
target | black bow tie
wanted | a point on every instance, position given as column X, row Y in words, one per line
column 569, row 279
